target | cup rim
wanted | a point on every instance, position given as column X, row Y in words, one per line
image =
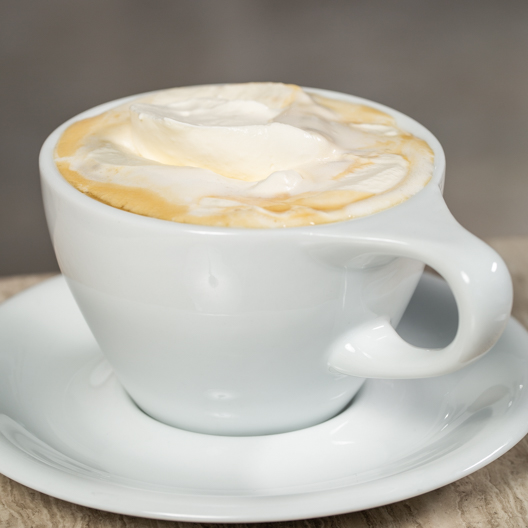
column 52, row 176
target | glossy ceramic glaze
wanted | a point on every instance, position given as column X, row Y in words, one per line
column 67, row 427
column 259, row 331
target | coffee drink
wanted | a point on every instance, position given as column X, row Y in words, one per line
column 256, row 155
column 236, row 331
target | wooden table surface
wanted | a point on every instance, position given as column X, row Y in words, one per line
column 495, row 496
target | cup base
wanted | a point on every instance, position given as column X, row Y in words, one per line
column 237, row 430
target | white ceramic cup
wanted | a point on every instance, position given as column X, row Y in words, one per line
column 234, row 331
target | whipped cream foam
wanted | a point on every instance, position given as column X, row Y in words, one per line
column 244, row 155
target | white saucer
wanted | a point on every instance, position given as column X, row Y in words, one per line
column 68, row 429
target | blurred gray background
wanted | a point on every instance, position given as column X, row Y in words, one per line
column 460, row 68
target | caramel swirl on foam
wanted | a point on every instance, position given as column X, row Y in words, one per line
column 244, row 155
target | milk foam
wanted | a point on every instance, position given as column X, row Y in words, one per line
column 244, row 155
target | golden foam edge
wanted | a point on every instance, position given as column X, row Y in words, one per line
column 309, row 208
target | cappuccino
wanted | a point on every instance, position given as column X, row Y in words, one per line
column 256, row 155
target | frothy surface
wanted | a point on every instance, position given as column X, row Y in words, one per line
column 244, row 155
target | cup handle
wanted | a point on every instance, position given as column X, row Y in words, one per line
column 423, row 228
